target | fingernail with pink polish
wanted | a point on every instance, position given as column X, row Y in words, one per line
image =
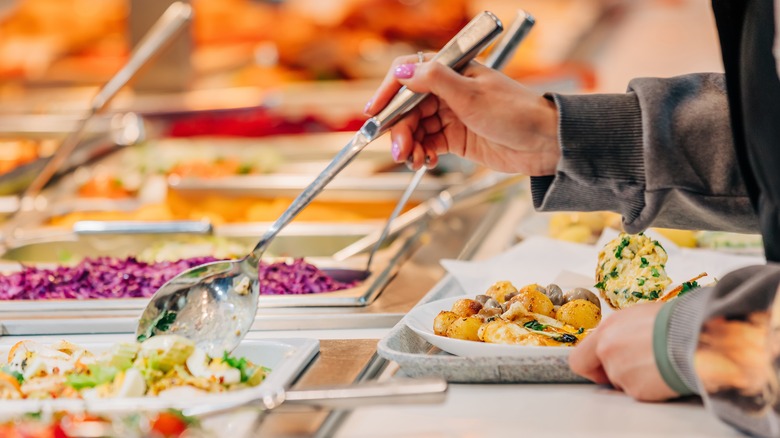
column 404, row 71
column 395, row 150
column 367, row 107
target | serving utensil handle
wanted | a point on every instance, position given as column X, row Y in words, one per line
column 463, row 47
column 396, row 391
column 168, row 26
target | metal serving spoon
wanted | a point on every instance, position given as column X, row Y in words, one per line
column 215, row 304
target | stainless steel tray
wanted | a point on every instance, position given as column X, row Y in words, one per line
column 473, row 230
column 290, row 243
column 417, row 358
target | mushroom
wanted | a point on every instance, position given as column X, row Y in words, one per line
column 491, row 304
column 555, row 294
column 482, row 299
column 580, row 293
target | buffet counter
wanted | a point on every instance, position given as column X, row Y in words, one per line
column 581, row 410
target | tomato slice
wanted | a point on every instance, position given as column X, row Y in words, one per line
column 169, row 425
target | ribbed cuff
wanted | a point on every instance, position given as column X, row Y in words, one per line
column 602, row 161
column 660, row 351
column 684, row 317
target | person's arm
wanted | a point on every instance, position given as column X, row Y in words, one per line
column 661, row 154
column 723, row 342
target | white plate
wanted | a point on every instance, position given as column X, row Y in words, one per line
column 286, row 358
column 420, row 320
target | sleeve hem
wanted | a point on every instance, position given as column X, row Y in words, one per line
column 660, row 351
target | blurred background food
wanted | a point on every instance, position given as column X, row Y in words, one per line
column 265, row 69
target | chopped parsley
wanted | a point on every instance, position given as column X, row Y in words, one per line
column 653, row 295
column 655, row 272
column 566, row 338
column 688, row 286
column 641, row 281
column 535, row 325
column 600, row 285
column 614, row 273
column 637, row 294
column 162, row 325
column 644, row 262
column 580, row 331
column 621, row 246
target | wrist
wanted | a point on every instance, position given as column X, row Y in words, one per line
column 548, row 132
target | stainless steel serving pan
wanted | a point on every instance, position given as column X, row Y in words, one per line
column 316, row 241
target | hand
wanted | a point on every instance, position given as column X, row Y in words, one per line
column 620, row 352
column 481, row 115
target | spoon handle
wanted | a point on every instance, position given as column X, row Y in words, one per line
column 497, row 59
column 463, row 47
column 396, row 391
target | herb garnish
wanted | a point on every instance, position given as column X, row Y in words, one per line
column 655, row 272
column 621, row 246
column 162, row 325
column 644, row 262
column 535, row 325
column 688, row 286
column 566, row 338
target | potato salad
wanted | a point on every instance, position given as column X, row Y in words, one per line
column 149, row 368
column 631, row 269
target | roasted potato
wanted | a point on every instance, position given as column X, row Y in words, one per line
column 464, row 328
column 499, row 291
column 466, row 307
column 579, row 313
column 534, row 300
column 442, row 322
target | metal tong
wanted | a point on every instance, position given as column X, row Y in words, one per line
column 161, row 33
column 497, row 59
column 467, row 44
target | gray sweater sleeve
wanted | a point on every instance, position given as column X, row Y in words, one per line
column 723, row 343
column 661, row 154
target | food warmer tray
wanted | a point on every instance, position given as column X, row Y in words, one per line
column 464, row 233
column 296, row 241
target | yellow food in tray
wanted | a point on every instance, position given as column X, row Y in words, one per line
column 533, row 315
column 149, row 368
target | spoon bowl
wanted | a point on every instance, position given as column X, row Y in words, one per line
column 215, row 304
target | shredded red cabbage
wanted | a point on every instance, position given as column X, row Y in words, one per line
column 297, row 277
column 108, row 277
